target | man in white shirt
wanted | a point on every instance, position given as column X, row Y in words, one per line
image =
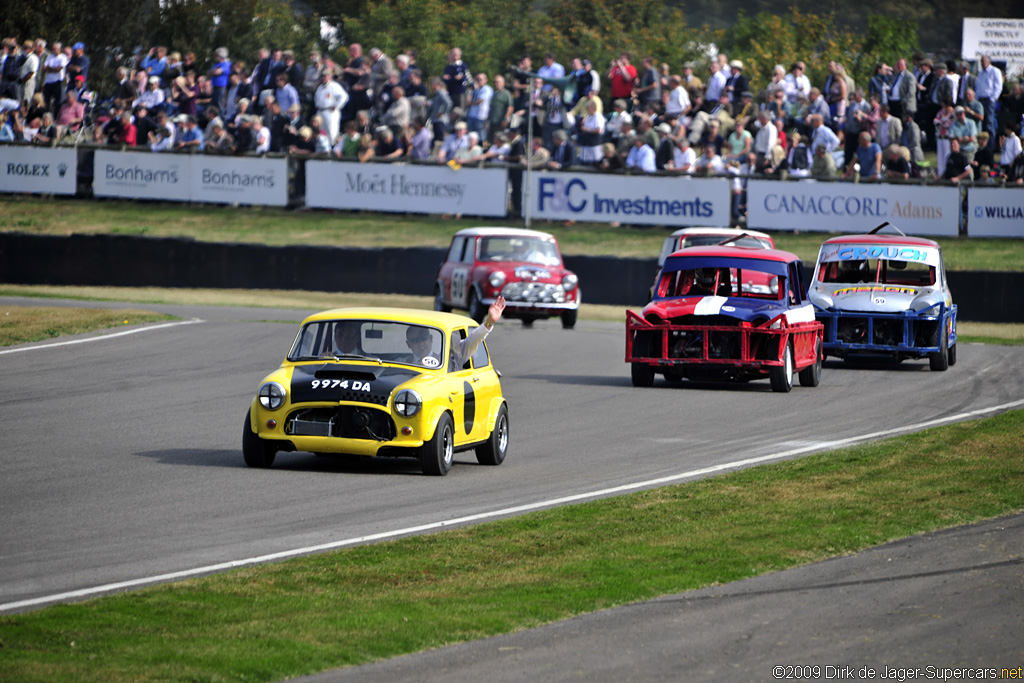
column 989, row 87
column 796, row 83
column 641, row 156
column 715, row 84
column 678, row 100
column 330, row 99
column 765, row 140
column 1011, row 147
column 53, row 84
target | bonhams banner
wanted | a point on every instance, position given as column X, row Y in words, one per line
column 192, row 178
column 852, row 207
column 406, row 188
column 38, row 170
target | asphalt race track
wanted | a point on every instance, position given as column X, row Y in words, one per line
column 122, row 456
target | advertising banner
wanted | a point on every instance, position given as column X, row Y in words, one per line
column 239, row 180
column 852, row 207
column 406, row 188
column 1001, row 39
column 39, row 170
column 995, row 212
column 634, row 199
column 142, row 175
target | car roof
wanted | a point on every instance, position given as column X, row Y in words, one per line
column 413, row 316
column 882, row 239
column 752, row 253
column 504, row 232
column 723, row 231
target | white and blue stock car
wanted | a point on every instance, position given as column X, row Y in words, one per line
column 885, row 295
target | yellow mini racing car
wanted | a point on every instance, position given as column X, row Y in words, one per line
column 382, row 382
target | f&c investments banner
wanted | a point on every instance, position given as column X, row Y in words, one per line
column 634, row 199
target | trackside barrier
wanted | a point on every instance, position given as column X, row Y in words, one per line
column 39, row 170
column 132, row 261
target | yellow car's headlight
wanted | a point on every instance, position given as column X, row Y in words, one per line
column 408, row 403
column 272, row 395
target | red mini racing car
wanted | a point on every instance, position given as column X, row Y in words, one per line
column 524, row 266
column 727, row 312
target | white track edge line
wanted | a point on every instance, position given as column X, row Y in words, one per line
column 103, row 336
column 287, row 554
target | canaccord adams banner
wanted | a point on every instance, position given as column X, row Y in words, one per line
column 38, row 170
column 852, row 207
column 634, row 199
column 406, row 188
column 995, row 212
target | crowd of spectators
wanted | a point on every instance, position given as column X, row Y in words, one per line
column 656, row 118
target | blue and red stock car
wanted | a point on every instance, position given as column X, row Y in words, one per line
column 885, row 295
column 727, row 312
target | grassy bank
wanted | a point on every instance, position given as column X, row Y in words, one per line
column 21, row 324
column 279, row 227
column 377, row 601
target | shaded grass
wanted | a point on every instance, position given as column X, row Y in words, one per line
column 275, row 227
column 376, row 601
column 21, row 324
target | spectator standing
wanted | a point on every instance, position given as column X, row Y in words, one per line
column 501, row 107
column 54, row 74
column 330, row 99
column 30, row 68
column 422, row 140
column 155, row 62
column 678, row 99
column 880, row 82
column 989, row 89
column 737, row 83
column 440, row 108
column 456, row 78
column 79, row 65
column 911, row 138
column 398, row 115
column 967, row 82
column 550, row 69
column 286, row 94
column 835, row 94
column 356, row 79
column 964, row 130
column 621, row 76
column 591, row 135
column 903, row 91
column 869, row 157
column 693, row 85
column 716, row 86
column 889, row 129
column 648, row 90
column 480, row 106
column 218, row 76
column 822, row 135
column 1010, row 147
column 765, row 140
column 941, row 123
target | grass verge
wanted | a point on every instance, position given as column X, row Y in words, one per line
column 377, row 601
column 273, row 226
column 21, row 324
column 987, row 333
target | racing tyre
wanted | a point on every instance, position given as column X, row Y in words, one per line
column 438, row 453
column 811, row 375
column 494, row 450
column 439, row 304
column 642, row 373
column 940, row 359
column 782, row 376
column 477, row 311
column 569, row 319
column 256, row 451
column 951, row 355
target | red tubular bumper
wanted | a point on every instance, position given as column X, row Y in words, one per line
column 746, row 346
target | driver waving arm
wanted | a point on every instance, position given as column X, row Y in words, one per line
column 468, row 346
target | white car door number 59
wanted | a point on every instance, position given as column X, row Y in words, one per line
column 459, row 278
